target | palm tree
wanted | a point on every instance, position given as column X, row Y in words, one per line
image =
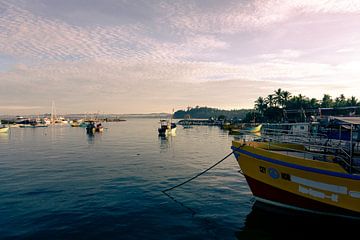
column 352, row 101
column 270, row 100
column 342, row 100
column 314, row 103
column 278, row 97
column 260, row 105
column 326, row 101
column 285, row 96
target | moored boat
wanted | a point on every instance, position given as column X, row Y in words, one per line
column 313, row 178
column 254, row 129
column 166, row 128
column 92, row 127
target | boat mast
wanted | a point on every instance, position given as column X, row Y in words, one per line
column 53, row 113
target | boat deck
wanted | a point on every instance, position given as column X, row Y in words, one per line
column 319, row 157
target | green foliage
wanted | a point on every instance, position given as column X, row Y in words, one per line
column 206, row 113
column 252, row 117
column 273, row 114
column 271, row 107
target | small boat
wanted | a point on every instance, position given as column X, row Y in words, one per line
column 187, row 121
column 245, row 130
column 75, row 123
column 254, row 129
column 92, row 128
column 166, row 128
column 303, row 175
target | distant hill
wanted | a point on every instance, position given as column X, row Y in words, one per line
column 206, row 112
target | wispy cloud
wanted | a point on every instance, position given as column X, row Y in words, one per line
column 232, row 47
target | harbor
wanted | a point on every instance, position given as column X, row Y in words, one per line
column 179, row 119
column 79, row 179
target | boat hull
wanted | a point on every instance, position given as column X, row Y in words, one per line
column 278, row 197
column 254, row 129
column 166, row 131
column 298, row 183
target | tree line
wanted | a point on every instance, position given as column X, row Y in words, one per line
column 207, row 112
column 279, row 106
column 273, row 107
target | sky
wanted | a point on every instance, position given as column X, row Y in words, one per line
column 147, row 56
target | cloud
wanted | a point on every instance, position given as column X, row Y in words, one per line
column 241, row 16
column 17, row 107
column 180, row 54
column 283, row 54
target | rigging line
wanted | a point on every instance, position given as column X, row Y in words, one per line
column 198, row 175
column 193, row 212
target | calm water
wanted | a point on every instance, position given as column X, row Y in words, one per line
column 59, row 183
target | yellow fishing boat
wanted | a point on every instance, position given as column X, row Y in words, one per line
column 302, row 175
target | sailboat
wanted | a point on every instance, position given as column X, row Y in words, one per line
column 54, row 118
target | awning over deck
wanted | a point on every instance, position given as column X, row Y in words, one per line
column 348, row 120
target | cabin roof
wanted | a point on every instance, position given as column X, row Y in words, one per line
column 348, row 120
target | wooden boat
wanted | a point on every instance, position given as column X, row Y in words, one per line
column 302, row 176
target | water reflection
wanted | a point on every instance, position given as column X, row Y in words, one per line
column 165, row 142
column 4, row 137
column 270, row 222
column 92, row 138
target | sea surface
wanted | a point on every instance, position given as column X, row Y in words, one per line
column 60, row 183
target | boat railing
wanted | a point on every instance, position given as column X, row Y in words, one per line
column 314, row 148
column 320, row 152
column 281, row 132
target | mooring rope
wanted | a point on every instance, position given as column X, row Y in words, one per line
column 198, row 175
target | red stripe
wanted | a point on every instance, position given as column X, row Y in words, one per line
column 268, row 192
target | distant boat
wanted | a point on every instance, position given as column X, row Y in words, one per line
column 76, row 123
column 166, row 128
column 251, row 129
column 187, row 123
column 255, row 129
column 33, row 125
column 92, row 128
